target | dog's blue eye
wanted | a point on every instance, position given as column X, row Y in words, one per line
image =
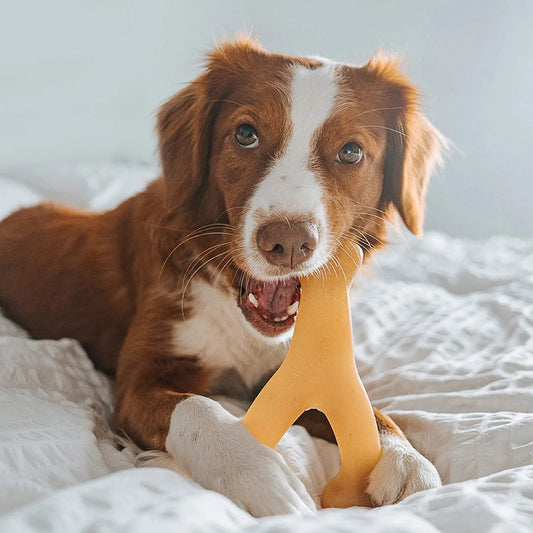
column 246, row 136
column 350, row 153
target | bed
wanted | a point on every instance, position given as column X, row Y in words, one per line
column 444, row 340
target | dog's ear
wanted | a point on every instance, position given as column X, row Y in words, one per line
column 185, row 122
column 414, row 145
column 184, row 127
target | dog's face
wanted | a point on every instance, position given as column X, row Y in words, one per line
column 284, row 157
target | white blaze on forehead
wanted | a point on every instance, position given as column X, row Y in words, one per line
column 313, row 93
column 312, row 99
column 290, row 188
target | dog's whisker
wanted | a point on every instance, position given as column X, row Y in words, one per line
column 366, row 236
column 204, row 231
column 390, row 223
column 186, row 285
column 347, row 252
column 388, row 129
column 221, row 226
column 361, row 235
column 380, row 109
column 215, row 101
column 201, row 256
column 375, row 259
column 221, row 269
column 240, row 208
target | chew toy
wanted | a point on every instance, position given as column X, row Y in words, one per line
column 319, row 372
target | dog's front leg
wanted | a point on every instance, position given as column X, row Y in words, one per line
column 219, row 452
column 160, row 404
column 401, row 470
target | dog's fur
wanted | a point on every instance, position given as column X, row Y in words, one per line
column 158, row 289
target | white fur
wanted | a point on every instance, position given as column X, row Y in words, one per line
column 401, row 471
column 223, row 339
column 290, row 189
column 217, row 451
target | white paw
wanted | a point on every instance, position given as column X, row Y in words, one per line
column 401, row 471
column 219, row 453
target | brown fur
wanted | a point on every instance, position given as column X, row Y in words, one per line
column 113, row 280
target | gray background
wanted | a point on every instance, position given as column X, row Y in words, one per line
column 80, row 80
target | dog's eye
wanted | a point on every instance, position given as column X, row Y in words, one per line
column 246, row 136
column 350, row 153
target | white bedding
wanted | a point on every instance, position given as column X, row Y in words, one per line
column 444, row 340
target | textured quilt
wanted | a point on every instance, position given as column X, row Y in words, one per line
column 444, row 340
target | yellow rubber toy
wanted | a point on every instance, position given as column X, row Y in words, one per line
column 319, row 372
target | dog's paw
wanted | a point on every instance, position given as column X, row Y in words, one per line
column 262, row 483
column 219, row 453
column 401, row 471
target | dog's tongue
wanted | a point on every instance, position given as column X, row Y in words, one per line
column 275, row 297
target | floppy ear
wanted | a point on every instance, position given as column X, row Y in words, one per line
column 185, row 122
column 414, row 145
column 184, row 127
column 410, row 161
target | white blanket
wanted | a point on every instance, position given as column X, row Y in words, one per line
column 444, row 342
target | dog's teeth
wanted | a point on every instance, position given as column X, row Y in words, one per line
column 293, row 308
column 253, row 300
column 265, row 317
column 281, row 319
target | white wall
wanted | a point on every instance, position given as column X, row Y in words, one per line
column 81, row 79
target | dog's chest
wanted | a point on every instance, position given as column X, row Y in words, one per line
column 224, row 342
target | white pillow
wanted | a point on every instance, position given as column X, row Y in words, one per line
column 14, row 195
column 87, row 185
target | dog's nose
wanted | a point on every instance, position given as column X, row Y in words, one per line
column 288, row 243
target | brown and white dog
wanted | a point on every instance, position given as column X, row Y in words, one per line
column 190, row 288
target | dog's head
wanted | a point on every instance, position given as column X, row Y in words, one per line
column 274, row 159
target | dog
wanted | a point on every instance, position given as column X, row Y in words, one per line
column 190, row 288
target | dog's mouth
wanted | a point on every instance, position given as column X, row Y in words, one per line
column 270, row 306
